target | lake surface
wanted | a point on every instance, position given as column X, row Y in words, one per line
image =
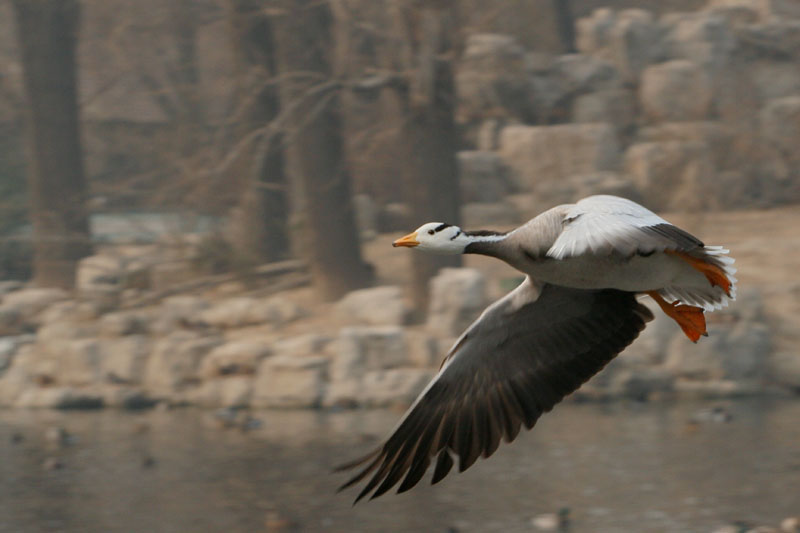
column 617, row 467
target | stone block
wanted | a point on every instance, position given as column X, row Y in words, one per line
column 674, row 91
column 704, row 38
column 765, row 10
column 176, row 361
column 374, row 306
column 717, row 137
column 290, row 382
column 547, row 154
column 80, row 362
column 482, row 176
column 246, row 311
column 424, row 351
column 578, row 74
column 491, row 78
column 458, row 296
column 671, row 175
column 9, row 345
column 125, row 359
column 28, row 303
column 121, row 323
column 234, row 357
column 302, row 345
column 361, row 349
column 613, row 106
column 780, row 126
column 396, row 386
column 630, row 39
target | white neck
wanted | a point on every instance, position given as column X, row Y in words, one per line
column 486, row 238
column 483, row 244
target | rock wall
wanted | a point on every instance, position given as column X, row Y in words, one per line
column 243, row 351
column 692, row 110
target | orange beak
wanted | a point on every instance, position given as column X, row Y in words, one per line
column 409, row 241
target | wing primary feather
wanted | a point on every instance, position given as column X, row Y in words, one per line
column 419, row 464
column 513, row 414
column 416, row 472
column 411, row 453
column 401, row 465
column 470, row 449
column 445, row 435
column 362, row 474
column 386, row 467
column 444, row 463
column 530, row 407
column 482, row 425
column 379, row 475
column 495, row 425
column 377, row 478
column 356, row 462
column 463, row 432
column 422, row 456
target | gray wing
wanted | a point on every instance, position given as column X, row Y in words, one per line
column 603, row 224
column 520, row 358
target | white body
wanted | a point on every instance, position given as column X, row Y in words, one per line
column 635, row 274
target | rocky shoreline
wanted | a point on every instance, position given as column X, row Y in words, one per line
column 244, row 351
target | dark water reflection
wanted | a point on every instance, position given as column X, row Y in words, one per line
column 618, row 467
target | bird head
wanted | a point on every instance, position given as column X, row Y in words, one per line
column 437, row 237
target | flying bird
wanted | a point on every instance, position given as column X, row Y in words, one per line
column 585, row 265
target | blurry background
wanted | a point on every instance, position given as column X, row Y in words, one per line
column 197, row 201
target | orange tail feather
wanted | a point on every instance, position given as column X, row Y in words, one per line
column 714, row 274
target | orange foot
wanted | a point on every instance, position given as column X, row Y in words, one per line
column 714, row 274
column 691, row 319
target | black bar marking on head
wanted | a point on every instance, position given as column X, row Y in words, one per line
column 440, row 227
column 456, row 235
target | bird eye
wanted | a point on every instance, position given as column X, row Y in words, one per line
column 430, row 232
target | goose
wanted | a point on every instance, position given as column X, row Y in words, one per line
column 585, row 265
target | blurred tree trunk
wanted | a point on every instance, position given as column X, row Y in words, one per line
column 260, row 218
column 185, row 75
column 565, row 24
column 314, row 147
column 47, row 34
column 428, row 132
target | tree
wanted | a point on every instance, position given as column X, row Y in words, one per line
column 260, row 220
column 565, row 25
column 47, row 36
column 314, row 147
column 428, row 134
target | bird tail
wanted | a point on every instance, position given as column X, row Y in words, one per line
column 717, row 266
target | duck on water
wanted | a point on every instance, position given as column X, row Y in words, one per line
column 585, row 265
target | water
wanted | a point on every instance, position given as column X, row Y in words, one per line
column 618, row 467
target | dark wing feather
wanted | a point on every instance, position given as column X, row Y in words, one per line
column 520, row 358
column 684, row 240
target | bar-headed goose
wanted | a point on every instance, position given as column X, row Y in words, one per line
column 576, row 310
